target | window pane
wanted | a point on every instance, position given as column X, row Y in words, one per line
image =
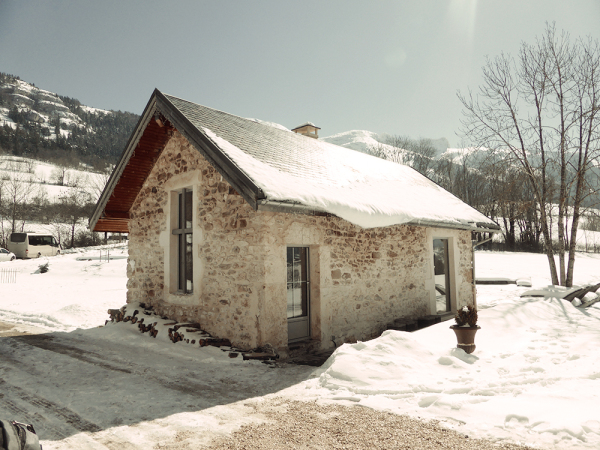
column 303, row 263
column 290, row 265
column 18, row 237
column 303, row 300
column 297, row 282
column 290, row 300
column 188, row 209
column 297, row 268
column 440, row 265
column 188, row 263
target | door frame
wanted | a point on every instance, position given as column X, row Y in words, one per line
column 439, row 233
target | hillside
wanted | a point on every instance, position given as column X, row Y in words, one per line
column 43, row 125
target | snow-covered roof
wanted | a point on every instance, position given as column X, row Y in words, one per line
column 365, row 190
column 275, row 168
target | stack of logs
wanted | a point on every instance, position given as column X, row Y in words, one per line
column 175, row 329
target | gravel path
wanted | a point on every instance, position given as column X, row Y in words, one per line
column 307, row 425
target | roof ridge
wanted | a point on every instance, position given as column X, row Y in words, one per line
column 270, row 127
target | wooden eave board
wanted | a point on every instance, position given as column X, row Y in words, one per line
column 134, row 175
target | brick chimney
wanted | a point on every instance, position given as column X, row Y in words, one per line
column 307, row 129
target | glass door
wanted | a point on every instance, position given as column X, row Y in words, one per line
column 298, row 292
column 441, row 264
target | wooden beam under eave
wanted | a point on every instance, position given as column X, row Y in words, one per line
column 112, row 225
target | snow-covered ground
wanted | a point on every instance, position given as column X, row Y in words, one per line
column 534, row 377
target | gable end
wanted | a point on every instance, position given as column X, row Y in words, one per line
column 152, row 132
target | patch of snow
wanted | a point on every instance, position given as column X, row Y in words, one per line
column 20, row 98
column 94, row 110
column 57, row 104
column 270, row 124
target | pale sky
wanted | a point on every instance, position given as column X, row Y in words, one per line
column 384, row 66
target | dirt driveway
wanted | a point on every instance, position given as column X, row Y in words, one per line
column 71, row 386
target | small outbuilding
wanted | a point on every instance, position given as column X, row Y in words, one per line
column 266, row 236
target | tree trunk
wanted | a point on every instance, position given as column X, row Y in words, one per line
column 549, row 246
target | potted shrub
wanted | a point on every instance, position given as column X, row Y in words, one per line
column 466, row 327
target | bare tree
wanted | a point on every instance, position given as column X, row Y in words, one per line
column 97, row 182
column 544, row 108
column 17, row 191
column 3, row 179
column 58, row 175
column 72, row 207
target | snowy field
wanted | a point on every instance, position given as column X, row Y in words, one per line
column 44, row 178
column 534, row 377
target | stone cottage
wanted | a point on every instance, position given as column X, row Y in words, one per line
column 266, row 236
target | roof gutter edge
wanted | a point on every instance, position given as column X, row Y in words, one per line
column 285, row 207
column 473, row 226
column 279, row 206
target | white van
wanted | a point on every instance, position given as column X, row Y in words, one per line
column 33, row 245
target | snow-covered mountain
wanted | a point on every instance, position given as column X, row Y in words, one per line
column 39, row 106
column 359, row 140
column 363, row 141
column 43, row 125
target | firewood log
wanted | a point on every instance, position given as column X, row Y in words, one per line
column 215, row 342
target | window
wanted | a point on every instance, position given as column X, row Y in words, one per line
column 184, row 241
column 41, row 240
column 18, row 237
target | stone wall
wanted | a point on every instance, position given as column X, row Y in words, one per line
column 228, row 275
column 361, row 279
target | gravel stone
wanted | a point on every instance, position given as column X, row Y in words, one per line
column 308, row 425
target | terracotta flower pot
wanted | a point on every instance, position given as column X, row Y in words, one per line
column 466, row 337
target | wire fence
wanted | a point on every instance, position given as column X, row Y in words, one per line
column 8, row 276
